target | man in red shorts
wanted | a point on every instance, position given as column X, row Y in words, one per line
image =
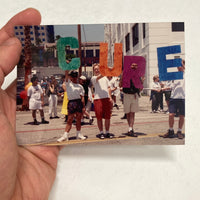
column 102, row 101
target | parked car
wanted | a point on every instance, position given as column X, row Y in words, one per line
column 20, row 88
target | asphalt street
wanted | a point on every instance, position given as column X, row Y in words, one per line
column 148, row 126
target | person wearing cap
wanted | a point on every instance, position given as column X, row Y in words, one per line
column 76, row 104
column 88, row 98
column 102, row 101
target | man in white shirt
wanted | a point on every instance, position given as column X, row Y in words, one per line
column 36, row 100
column 177, row 103
column 102, row 101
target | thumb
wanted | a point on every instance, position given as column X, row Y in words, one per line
column 9, row 56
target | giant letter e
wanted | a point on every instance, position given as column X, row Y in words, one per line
column 163, row 63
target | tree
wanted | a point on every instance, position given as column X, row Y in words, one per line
column 27, row 53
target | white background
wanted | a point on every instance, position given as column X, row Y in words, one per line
column 128, row 172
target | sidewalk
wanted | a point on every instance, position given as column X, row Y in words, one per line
column 147, row 125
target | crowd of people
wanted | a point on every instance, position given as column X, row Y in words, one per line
column 80, row 93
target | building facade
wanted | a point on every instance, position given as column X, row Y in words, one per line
column 143, row 39
column 39, row 34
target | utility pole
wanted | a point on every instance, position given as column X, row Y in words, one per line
column 79, row 49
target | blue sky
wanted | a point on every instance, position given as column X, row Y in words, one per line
column 93, row 32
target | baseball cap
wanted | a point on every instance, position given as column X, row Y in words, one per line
column 73, row 74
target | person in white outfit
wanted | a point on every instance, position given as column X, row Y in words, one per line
column 36, row 100
column 53, row 99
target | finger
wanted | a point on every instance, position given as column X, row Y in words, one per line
column 9, row 55
column 29, row 16
column 11, row 89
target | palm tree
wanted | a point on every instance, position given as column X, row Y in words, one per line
column 27, row 52
column 27, row 62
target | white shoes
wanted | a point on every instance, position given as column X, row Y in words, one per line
column 63, row 138
column 80, row 136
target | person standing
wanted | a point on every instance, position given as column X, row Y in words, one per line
column 114, row 86
column 102, row 101
column 36, row 100
column 76, row 104
column 131, row 101
column 88, row 99
column 53, row 98
column 156, row 95
column 177, row 103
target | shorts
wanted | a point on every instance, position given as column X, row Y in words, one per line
column 35, row 104
column 102, row 108
column 131, row 103
column 74, row 106
column 177, row 106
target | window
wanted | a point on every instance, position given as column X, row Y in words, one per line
column 89, row 53
column 127, row 39
column 144, row 30
column 21, row 33
column 97, row 52
column 177, row 26
column 71, row 52
column 135, row 34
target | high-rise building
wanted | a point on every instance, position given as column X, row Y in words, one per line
column 38, row 34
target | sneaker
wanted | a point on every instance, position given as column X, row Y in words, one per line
column 108, row 135
column 44, row 122
column 91, row 121
column 56, row 117
column 50, row 117
column 80, row 136
column 101, row 136
column 35, row 122
column 63, row 138
column 116, row 106
column 180, row 135
column 124, row 117
column 132, row 133
column 169, row 134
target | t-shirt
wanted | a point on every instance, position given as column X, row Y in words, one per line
column 178, row 89
column 101, row 87
column 34, row 92
column 74, row 90
column 156, row 86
